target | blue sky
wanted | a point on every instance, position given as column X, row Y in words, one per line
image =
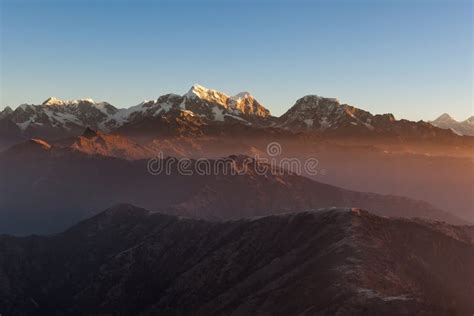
column 410, row 58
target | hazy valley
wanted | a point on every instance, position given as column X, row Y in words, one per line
column 353, row 236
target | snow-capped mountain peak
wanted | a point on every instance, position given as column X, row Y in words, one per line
column 199, row 104
column 223, row 105
column 445, row 121
column 198, row 91
column 63, row 117
column 58, row 118
column 241, row 95
column 445, row 117
column 214, row 95
column 470, row 121
column 201, row 107
column 53, row 101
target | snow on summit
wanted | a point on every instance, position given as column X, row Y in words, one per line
column 201, row 106
column 208, row 104
column 446, row 121
column 53, row 101
column 56, row 101
column 72, row 116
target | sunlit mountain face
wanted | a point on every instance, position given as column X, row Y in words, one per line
column 354, row 149
column 215, row 206
column 202, row 111
column 235, row 158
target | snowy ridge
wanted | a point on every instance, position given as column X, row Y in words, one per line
column 200, row 92
column 465, row 127
column 207, row 104
column 211, row 106
column 102, row 106
column 319, row 113
column 199, row 106
column 54, row 113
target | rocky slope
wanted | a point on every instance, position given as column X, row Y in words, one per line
column 329, row 116
column 129, row 261
column 64, row 185
column 445, row 121
column 97, row 143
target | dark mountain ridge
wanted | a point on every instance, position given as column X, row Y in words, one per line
column 128, row 260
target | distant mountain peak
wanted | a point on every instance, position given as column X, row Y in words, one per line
column 6, row 112
column 470, row 120
column 198, row 91
column 320, row 113
column 241, row 103
column 214, row 95
column 445, row 117
column 197, row 88
column 316, row 98
column 310, row 113
column 241, row 95
column 7, row 109
column 445, row 121
column 53, row 101
column 315, row 102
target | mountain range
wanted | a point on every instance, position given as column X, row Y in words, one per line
column 127, row 260
column 203, row 111
column 384, row 227
column 61, row 138
column 64, row 185
column 55, row 118
column 461, row 128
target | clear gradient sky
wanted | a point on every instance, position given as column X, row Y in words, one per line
column 410, row 58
